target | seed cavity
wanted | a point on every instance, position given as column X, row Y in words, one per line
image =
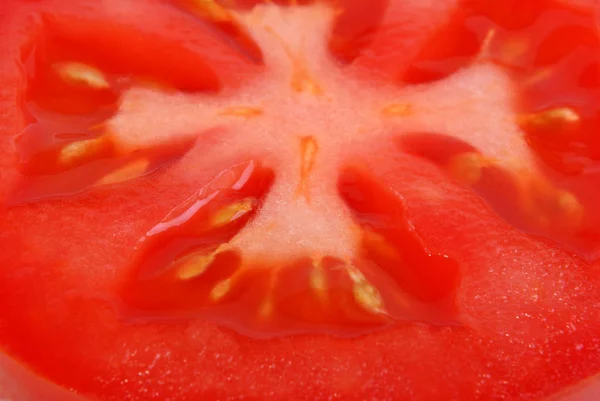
column 130, row 171
column 82, row 74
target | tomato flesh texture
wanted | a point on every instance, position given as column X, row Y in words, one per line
column 343, row 380
column 378, row 210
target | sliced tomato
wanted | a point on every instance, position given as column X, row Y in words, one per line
column 307, row 199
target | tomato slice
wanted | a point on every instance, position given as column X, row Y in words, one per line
column 308, row 199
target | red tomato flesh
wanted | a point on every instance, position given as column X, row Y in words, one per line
column 309, row 200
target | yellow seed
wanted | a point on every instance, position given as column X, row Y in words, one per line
column 538, row 76
column 195, row 266
column 549, row 206
column 242, row 112
column 365, row 293
column 354, row 273
column 132, row 170
column 77, row 151
column 398, row 110
column 211, row 9
column 220, row 290
column 556, row 119
column 155, row 85
column 466, row 167
column 487, row 43
column 317, row 279
column 232, row 212
column 512, row 49
column 368, row 297
column 571, row 208
column 266, row 309
column 569, row 203
column 79, row 73
column 379, row 244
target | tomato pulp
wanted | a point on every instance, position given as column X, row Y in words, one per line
column 307, row 199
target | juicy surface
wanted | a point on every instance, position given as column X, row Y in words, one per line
column 530, row 309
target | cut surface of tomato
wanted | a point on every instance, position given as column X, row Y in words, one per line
column 307, row 199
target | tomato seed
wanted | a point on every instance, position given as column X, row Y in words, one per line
column 130, row 171
column 317, row 279
column 78, row 151
column 364, row 292
column 79, row 73
column 554, row 120
column 195, row 265
column 266, row 309
column 211, row 9
column 486, row 44
column 220, row 290
column 466, row 167
column 232, row 212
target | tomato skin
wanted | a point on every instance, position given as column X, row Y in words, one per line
column 508, row 346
